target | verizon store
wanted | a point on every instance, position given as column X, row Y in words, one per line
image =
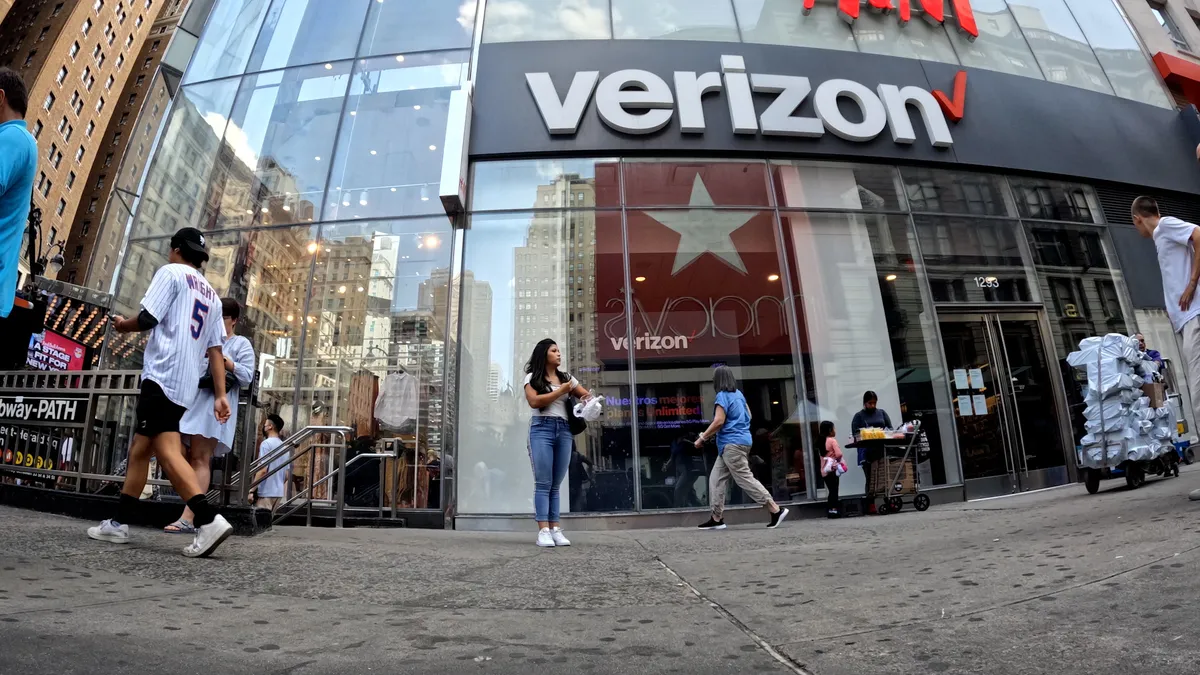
column 828, row 204
column 929, row 202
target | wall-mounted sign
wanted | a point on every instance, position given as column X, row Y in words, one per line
column 635, row 101
column 934, row 11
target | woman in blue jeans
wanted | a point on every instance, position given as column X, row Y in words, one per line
column 547, row 390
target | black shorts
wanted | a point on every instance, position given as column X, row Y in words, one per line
column 156, row 414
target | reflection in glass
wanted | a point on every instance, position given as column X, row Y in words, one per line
column 526, row 20
column 527, row 277
column 389, row 149
column 301, row 32
column 674, row 20
column 1000, row 45
column 856, row 279
column 377, row 345
column 418, row 26
column 1119, row 52
column 521, row 184
column 782, row 23
column 971, row 260
column 834, row 185
column 275, row 156
column 696, row 184
column 940, row 191
column 228, row 38
column 1055, row 200
column 878, row 33
column 178, row 178
column 1059, row 44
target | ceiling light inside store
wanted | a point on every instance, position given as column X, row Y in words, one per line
column 416, row 107
column 341, row 289
column 400, row 58
column 639, row 279
column 773, row 277
column 287, row 207
column 360, row 289
column 353, row 113
column 433, row 147
column 265, row 209
column 890, row 277
column 374, row 153
column 291, row 318
column 328, row 66
column 432, row 241
column 312, row 248
column 393, row 189
column 318, row 158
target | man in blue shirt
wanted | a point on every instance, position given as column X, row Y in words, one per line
column 18, row 163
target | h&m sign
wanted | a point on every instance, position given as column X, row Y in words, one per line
column 635, row 101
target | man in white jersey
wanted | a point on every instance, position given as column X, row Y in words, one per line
column 1178, row 245
column 183, row 314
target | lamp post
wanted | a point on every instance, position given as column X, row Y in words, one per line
column 44, row 259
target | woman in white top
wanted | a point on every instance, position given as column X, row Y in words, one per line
column 203, row 435
column 546, row 390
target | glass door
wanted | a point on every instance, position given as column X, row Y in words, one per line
column 1006, row 411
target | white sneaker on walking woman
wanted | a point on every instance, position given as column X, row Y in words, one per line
column 559, row 539
column 545, row 538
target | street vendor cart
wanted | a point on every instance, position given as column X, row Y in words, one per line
column 894, row 479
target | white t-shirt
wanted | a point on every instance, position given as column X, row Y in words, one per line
column 274, row 485
column 559, row 407
column 1172, row 238
column 189, row 323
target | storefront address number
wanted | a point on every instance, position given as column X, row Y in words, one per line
column 987, row 282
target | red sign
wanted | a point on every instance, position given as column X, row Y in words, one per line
column 934, row 11
column 706, row 282
column 51, row 351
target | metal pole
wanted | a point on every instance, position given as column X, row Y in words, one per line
column 341, row 480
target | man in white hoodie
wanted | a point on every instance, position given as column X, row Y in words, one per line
column 1178, row 245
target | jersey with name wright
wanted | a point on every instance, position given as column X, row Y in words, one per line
column 188, row 311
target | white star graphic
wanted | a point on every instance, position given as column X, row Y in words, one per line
column 704, row 230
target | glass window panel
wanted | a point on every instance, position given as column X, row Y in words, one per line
column 389, row 149
column 377, row 332
column 300, row 32
column 940, row 191
column 227, row 41
column 1059, row 44
column 856, row 278
column 776, row 23
column 418, row 26
column 527, row 20
column 695, row 184
column 545, row 184
column 277, row 146
column 835, row 185
column 722, row 302
column 878, row 33
column 1054, row 200
column 517, row 288
column 674, row 20
column 1118, row 51
column 1000, row 45
column 178, row 179
column 974, row 260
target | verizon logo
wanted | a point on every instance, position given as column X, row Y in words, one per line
column 651, row 342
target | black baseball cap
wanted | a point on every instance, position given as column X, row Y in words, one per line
column 190, row 242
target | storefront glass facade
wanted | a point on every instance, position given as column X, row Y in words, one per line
column 815, row 281
column 307, row 141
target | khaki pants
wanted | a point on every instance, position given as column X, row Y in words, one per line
column 1190, row 336
column 734, row 461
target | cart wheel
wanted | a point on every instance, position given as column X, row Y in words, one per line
column 921, row 502
column 1091, row 479
column 1189, row 456
column 895, row 505
column 1135, row 477
column 883, row 509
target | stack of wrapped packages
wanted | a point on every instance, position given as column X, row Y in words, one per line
column 1121, row 426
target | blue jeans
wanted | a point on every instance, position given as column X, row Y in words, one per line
column 550, row 453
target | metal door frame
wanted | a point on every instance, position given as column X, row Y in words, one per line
column 991, row 316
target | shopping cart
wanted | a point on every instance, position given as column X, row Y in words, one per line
column 894, row 477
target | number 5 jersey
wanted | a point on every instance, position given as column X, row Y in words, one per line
column 188, row 311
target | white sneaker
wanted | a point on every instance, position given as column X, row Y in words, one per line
column 208, row 538
column 1194, row 496
column 545, row 539
column 559, row 539
column 110, row 531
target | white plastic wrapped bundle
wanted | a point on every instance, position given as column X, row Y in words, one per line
column 1119, row 422
column 1112, row 346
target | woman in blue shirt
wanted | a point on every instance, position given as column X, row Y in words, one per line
column 731, row 426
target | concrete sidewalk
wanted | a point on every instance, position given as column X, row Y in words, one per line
column 1055, row 581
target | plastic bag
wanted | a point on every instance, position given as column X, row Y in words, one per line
column 589, row 410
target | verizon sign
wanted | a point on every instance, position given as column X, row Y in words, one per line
column 637, row 101
column 934, row 11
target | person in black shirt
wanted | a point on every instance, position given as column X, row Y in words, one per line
column 871, row 416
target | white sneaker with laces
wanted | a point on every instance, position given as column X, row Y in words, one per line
column 208, row 538
column 545, row 539
column 110, row 531
column 559, row 538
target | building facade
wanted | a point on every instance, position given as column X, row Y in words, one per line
column 77, row 58
column 929, row 202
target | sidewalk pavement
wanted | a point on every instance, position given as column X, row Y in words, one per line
column 1056, row 581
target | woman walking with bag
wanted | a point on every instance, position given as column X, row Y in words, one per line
column 548, row 391
column 204, row 437
column 731, row 426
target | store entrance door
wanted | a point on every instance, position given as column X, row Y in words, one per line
column 1006, row 402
